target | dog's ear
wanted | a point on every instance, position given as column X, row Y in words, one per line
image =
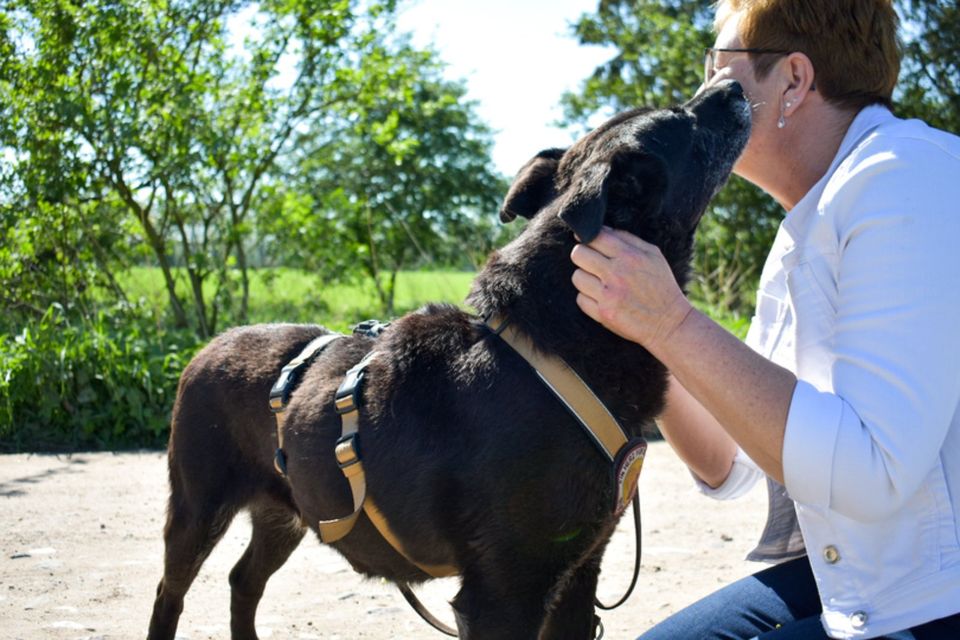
column 632, row 177
column 533, row 187
column 585, row 203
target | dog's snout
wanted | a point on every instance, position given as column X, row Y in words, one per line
column 732, row 89
column 720, row 105
column 726, row 93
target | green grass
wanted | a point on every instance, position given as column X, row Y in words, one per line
column 291, row 295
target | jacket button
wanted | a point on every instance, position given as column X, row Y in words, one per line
column 831, row 555
column 858, row 619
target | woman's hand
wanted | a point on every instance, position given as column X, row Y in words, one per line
column 626, row 285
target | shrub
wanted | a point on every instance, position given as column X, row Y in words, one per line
column 106, row 382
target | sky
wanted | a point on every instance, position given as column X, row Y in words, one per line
column 517, row 58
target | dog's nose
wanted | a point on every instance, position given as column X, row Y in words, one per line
column 729, row 90
column 734, row 89
column 718, row 100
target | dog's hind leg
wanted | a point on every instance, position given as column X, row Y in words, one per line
column 277, row 530
column 189, row 537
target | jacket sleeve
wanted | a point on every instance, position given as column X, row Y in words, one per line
column 742, row 477
column 863, row 449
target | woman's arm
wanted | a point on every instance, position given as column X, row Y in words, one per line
column 696, row 436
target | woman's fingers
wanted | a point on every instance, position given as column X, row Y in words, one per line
column 631, row 240
column 589, row 259
column 589, row 306
column 587, row 284
column 625, row 284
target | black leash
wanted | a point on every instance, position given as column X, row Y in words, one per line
column 430, row 619
column 636, row 558
column 424, row 612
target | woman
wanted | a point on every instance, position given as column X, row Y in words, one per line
column 846, row 395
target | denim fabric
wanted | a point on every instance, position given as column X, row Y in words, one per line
column 778, row 603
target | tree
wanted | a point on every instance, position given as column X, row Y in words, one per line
column 409, row 181
column 143, row 105
column 930, row 77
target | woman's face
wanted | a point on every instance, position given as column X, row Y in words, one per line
column 762, row 96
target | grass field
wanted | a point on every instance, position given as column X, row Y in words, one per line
column 291, row 295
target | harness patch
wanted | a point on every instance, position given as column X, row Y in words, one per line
column 626, row 473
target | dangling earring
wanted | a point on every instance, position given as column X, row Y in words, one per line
column 782, row 122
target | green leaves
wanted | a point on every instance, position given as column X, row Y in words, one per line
column 205, row 137
column 393, row 176
column 658, row 62
column 930, row 77
column 106, row 383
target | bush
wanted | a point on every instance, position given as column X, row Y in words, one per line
column 105, row 383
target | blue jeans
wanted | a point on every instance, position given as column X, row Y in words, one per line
column 778, row 603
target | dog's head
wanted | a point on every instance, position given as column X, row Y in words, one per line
column 650, row 172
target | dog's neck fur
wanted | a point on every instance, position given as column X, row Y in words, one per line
column 529, row 282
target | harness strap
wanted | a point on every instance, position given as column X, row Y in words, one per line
column 347, row 452
column 568, row 387
column 626, row 454
column 283, row 387
column 380, row 522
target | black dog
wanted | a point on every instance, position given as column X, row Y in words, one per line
column 470, row 458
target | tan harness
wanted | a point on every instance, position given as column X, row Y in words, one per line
column 346, row 451
column 626, row 454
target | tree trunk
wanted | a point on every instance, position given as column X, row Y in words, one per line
column 157, row 245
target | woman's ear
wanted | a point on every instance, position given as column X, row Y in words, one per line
column 800, row 81
column 533, row 188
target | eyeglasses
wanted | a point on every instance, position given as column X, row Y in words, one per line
column 710, row 58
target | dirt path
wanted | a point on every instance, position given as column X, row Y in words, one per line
column 80, row 538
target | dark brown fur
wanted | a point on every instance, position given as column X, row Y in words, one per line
column 468, row 455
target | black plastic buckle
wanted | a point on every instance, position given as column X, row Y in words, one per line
column 370, row 328
column 347, row 451
column 504, row 323
column 348, row 393
column 280, row 392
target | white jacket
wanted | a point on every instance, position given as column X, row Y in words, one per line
column 860, row 297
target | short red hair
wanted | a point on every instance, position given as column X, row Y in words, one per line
column 853, row 44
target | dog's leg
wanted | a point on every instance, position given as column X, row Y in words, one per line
column 509, row 608
column 571, row 614
column 189, row 537
column 277, row 530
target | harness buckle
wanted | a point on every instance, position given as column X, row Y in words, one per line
column 346, row 399
column 347, row 452
column 280, row 392
column 348, row 393
column 370, row 328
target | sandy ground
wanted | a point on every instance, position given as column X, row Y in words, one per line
column 80, row 538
